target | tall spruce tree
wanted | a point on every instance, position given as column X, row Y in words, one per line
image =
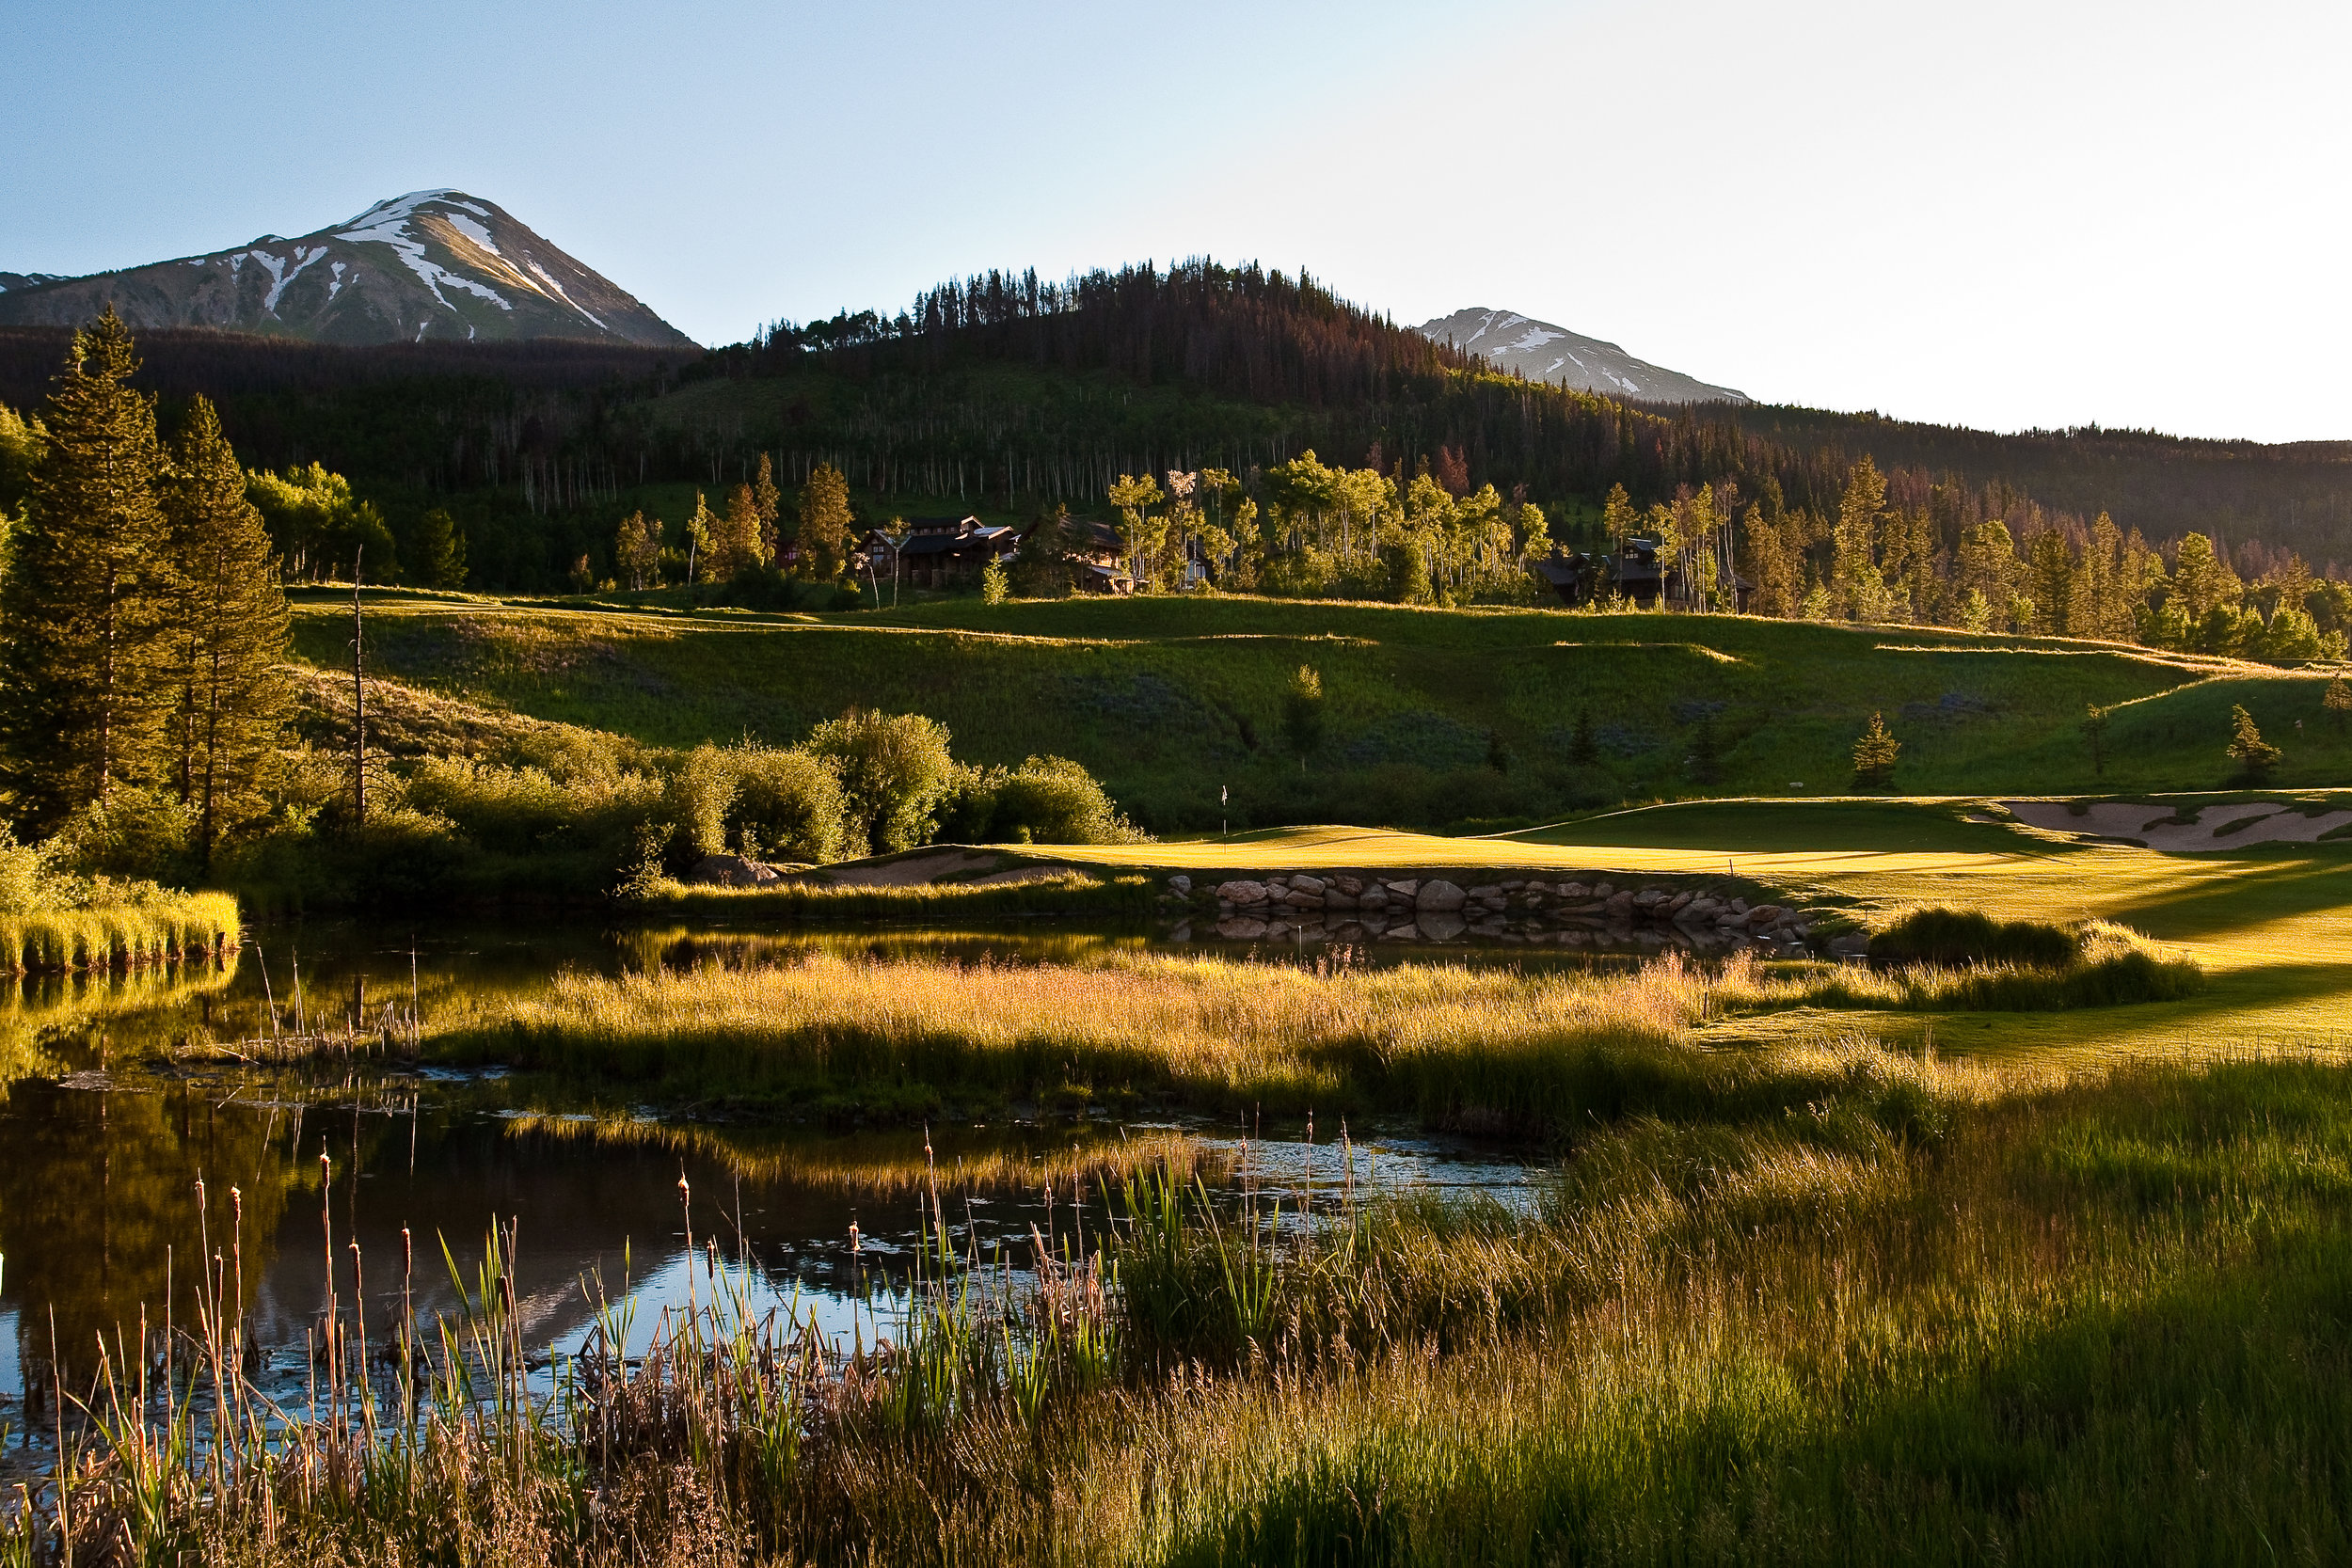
column 768, row 501
column 82, row 643
column 229, row 628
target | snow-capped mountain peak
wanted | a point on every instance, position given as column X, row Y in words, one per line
column 1542, row 352
column 432, row 264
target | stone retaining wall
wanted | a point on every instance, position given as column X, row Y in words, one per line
column 1343, row 906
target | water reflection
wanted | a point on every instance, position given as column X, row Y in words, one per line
column 119, row 1093
column 100, row 1219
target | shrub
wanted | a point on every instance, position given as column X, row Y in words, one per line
column 1966, row 939
column 895, row 772
column 140, row 832
column 1044, row 800
column 788, row 805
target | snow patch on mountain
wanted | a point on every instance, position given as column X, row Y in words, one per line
column 1510, row 341
column 424, row 262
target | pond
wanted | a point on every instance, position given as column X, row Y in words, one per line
column 107, row 1126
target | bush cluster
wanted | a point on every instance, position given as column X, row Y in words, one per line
column 577, row 814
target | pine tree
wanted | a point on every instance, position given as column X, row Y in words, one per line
column 1047, row 566
column 768, row 502
column 1706, row 752
column 437, row 552
column 2050, row 571
column 82, row 639
column 1302, row 713
column 825, row 523
column 1874, row 755
column 740, row 542
column 1583, row 750
column 2248, row 748
column 2338, row 702
column 1859, row 587
column 229, row 633
column 2094, row 728
column 2203, row 580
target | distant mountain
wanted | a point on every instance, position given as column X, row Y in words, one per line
column 1542, row 352
column 431, row 264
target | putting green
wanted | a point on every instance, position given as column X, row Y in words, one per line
column 2272, row 925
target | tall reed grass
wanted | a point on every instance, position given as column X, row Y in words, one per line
column 160, row 927
column 2066, row 1318
column 1490, row 1049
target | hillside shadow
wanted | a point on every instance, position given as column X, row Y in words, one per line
column 2254, row 888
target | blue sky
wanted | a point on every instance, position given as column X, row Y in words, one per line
column 2004, row 214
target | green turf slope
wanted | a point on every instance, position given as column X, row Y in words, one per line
column 1456, row 719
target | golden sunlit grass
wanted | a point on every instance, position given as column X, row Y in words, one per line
column 153, row 929
column 1479, row 1047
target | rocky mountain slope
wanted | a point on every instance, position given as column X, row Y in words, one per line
column 438, row 264
column 1542, row 352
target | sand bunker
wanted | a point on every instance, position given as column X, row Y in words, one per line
column 2154, row 827
column 913, row 870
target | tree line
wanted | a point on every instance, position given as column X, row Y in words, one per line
column 142, row 624
column 1307, row 529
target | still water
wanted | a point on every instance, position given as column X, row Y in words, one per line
column 108, row 1124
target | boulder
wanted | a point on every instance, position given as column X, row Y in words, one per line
column 1619, row 906
column 1181, row 886
column 1241, row 929
column 1301, row 882
column 1352, row 886
column 1574, row 890
column 1438, row 895
column 1488, row 893
column 1681, row 901
column 1604, row 890
column 1242, row 892
column 1405, row 888
column 1336, row 899
column 1299, row 899
column 730, row 871
column 1437, row 926
column 1764, row 914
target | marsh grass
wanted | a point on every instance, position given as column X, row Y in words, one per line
column 159, row 927
column 1484, row 1048
column 2037, row 1317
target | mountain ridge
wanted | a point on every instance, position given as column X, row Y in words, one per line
column 1541, row 351
column 438, row 264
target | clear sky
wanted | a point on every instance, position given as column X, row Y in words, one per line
column 2001, row 215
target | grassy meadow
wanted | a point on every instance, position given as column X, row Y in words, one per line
column 2043, row 1259
column 1434, row 718
column 1820, row 1302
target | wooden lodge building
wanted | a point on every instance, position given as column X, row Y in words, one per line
column 1632, row 573
column 936, row 552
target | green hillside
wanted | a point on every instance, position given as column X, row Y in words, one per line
column 1457, row 718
